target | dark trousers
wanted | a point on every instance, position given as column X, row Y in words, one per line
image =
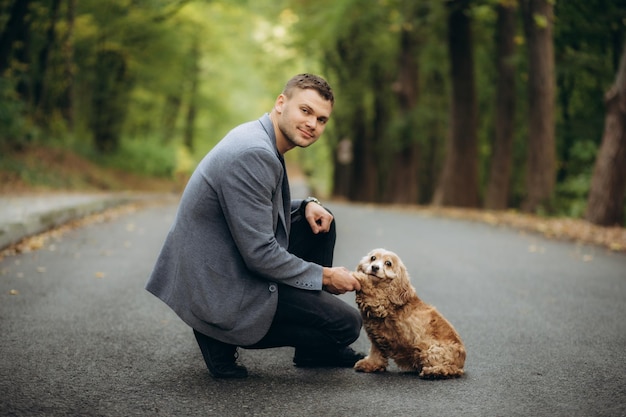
column 314, row 321
column 311, row 320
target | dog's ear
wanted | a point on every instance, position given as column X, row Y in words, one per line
column 402, row 289
column 362, row 266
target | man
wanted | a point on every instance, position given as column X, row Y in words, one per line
column 245, row 266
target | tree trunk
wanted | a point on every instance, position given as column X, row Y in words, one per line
column 608, row 184
column 403, row 180
column 110, row 100
column 14, row 28
column 365, row 172
column 501, row 159
column 15, row 45
column 541, row 159
column 190, row 119
column 458, row 185
column 66, row 101
column 40, row 87
column 342, row 174
column 171, row 110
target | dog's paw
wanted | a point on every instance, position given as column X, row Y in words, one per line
column 360, row 276
column 441, row 372
column 367, row 365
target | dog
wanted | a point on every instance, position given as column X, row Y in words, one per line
column 400, row 325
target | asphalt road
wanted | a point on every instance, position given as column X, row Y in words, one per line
column 544, row 324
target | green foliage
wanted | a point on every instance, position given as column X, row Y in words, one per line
column 13, row 124
column 142, row 156
column 244, row 51
column 587, row 52
column 571, row 192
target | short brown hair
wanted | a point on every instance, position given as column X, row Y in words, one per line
column 304, row 81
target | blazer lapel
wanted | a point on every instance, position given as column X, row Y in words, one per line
column 285, row 194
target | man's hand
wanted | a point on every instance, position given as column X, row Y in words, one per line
column 339, row 280
column 318, row 218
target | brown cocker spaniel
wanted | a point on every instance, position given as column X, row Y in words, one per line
column 400, row 326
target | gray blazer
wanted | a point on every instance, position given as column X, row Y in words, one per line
column 227, row 247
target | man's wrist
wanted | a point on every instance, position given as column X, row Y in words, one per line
column 326, row 276
column 307, row 201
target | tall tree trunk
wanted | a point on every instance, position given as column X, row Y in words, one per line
column 40, row 86
column 458, row 185
column 15, row 27
column 342, row 174
column 190, row 119
column 15, row 45
column 541, row 159
column 377, row 131
column 171, row 110
column 66, row 101
column 608, row 184
column 434, row 128
column 403, row 180
column 501, row 159
column 365, row 169
column 110, row 99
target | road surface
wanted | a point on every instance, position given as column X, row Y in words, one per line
column 544, row 325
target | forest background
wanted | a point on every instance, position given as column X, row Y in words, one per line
column 500, row 104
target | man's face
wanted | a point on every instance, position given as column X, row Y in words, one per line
column 301, row 118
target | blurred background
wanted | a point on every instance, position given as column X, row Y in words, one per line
column 495, row 104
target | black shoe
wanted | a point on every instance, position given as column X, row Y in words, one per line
column 342, row 358
column 220, row 358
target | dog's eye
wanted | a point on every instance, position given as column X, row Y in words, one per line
column 373, row 258
column 388, row 263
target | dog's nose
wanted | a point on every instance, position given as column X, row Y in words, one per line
column 374, row 268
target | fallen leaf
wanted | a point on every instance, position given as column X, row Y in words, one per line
column 36, row 242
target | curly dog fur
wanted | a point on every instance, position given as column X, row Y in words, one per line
column 400, row 326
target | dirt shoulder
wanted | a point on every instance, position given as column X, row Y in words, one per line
column 576, row 230
column 42, row 169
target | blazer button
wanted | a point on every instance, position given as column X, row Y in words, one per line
column 273, row 288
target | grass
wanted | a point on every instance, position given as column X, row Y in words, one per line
column 47, row 168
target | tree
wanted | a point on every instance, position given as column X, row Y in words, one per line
column 403, row 179
column 541, row 155
column 587, row 57
column 608, row 185
column 458, row 185
column 357, row 58
column 192, row 107
column 41, row 102
column 501, row 160
column 66, row 98
column 14, row 31
column 109, row 100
